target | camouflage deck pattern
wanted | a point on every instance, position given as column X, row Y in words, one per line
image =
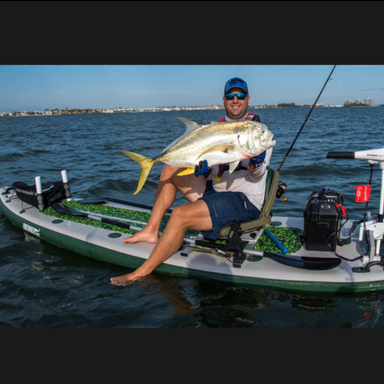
column 290, row 237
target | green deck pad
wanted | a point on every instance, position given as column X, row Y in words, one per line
column 291, row 238
column 111, row 212
column 84, row 220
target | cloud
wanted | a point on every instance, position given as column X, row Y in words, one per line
column 26, row 95
column 373, row 89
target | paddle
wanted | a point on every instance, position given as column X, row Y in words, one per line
column 113, row 217
column 300, row 262
column 64, row 210
column 303, row 262
column 124, row 202
column 310, row 263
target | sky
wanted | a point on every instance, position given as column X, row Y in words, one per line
column 39, row 87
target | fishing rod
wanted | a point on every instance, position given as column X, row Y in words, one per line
column 294, row 141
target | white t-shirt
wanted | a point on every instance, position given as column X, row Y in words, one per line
column 250, row 182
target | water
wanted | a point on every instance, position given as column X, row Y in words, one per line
column 44, row 286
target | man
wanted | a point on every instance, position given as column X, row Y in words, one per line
column 215, row 196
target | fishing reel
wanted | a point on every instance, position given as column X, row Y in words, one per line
column 281, row 190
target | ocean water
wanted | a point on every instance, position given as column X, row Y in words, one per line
column 45, row 286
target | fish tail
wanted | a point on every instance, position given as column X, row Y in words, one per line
column 146, row 164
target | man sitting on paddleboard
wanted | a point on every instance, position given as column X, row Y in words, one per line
column 216, row 197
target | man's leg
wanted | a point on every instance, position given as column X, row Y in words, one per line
column 188, row 216
column 190, row 186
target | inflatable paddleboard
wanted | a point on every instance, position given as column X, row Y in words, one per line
column 95, row 229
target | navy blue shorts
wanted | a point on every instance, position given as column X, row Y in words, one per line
column 224, row 207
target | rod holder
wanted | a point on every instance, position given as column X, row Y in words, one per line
column 64, row 178
column 39, row 192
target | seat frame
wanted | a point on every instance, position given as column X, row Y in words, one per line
column 265, row 218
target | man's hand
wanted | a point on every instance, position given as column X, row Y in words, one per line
column 202, row 169
column 258, row 160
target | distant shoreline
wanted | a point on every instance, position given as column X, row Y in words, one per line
column 89, row 111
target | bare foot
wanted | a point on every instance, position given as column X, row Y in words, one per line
column 125, row 279
column 122, row 280
column 146, row 234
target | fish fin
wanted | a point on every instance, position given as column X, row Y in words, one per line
column 187, row 171
column 219, row 148
column 191, row 125
column 233, row 166
column 146, row 164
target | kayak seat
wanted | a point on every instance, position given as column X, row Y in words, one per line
column 265, row 217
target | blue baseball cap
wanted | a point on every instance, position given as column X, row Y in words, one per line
column 236, row 82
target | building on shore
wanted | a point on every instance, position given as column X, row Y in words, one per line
column 369, row 101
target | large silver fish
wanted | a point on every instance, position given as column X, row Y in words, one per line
column 218, row 143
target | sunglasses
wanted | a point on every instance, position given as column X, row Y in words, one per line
column 231, row 96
